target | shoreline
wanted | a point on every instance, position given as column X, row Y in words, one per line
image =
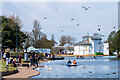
column 80, row 55
column 25, row 72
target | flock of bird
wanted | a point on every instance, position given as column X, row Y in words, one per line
column 85, row 8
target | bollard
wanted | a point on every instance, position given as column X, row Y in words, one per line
column 26, row 56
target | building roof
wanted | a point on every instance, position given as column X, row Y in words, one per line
column 106, row 41
column 31, row 48
column 83, row 43
column 87, row 36
column 96, row 36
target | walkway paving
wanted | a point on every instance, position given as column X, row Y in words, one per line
column 24, row 72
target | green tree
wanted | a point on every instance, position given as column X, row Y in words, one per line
column 114, row 42
column 43, row 43
column 110, row 41
column 10, row 33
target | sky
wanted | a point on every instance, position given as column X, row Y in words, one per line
column 104, row 14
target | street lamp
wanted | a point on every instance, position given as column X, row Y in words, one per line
column 16, row 39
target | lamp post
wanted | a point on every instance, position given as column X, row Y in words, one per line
column 16, row 39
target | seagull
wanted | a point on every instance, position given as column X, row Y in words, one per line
column 98, row 25
column 50, row 68
column 56, row 10
column 77, row 24
column 85, row 7
column 99, row 29
column 46, row 67
column 114, row 27
column 45, row 18
column 61, row 30
column 72, row 19
column 90, row 71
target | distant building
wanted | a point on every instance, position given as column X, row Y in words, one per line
column 66, row 49
column 90, row 45
column 37, row 50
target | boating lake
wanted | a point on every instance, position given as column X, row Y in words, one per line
column 102, row 67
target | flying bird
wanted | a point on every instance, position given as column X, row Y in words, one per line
column 72, row 19
column 114, row 27
column 85, row 7
column 98, row 25
column 56, row 10
column 61, row 30
column 77, row 24
column 99, row 29
column 45, row 18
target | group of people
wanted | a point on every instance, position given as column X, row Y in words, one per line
column 34, row 59
column 74, row 62
column 6, row 57
column 80, row 57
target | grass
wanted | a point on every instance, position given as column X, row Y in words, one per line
column 3, row 65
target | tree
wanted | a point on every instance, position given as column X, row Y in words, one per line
column 53, row 40
column 29, row 40
column 110, row 41
column 70, row 40
column 16, row 19
column 11, row 33
column 36, row 30
column 43, row 43
column 66, row 39
column 63, row 40
column 116, row 42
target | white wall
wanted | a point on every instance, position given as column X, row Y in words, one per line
column 82, row 50
column 106, row 49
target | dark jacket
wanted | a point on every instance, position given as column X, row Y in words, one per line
column 7, row 55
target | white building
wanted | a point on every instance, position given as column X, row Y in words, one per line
column 106, row 48
column 90, row 45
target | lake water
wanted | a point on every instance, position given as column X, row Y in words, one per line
column 102, row 67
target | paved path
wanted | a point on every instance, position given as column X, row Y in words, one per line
column 24, row 72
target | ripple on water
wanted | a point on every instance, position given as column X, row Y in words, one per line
column 102, row 67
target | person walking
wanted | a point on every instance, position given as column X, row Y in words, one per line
column 2, row 54
column 36, row 60
column 7, row 58
column 20, row 59
column 31, row 61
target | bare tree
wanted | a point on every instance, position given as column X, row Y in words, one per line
column 16, row 19
column 63, row 40
column 70, row 40
column 67, row 39
column 36, row 30
column 53, row 40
